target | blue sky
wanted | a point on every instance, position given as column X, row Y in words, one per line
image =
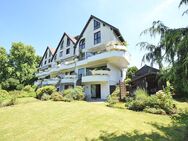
column 40, row 22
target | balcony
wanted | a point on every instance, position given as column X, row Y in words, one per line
column 68, row 79
column 114, row 45
column 51, row 81
column 96, row 76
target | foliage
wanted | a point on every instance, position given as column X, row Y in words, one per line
column 18, row 67
column 131, row 72
column 154, row 110
column 12, row 101
column 45, row 97
column 162, row 102
column 4, row 95
column 10, row 84
column 3, row 65
column 28, row 88
column 172, row 50
column 76, row 93
column 46, row 89
column 114, row 97
column 56, row 96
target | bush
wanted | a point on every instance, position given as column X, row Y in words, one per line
column 155, row 111
column 19, row 87
column 76, row 93
column 4, row 95
column 114, row 97
column 160, row 103
column 46, row 89
column 12, row 101
column 140, row 101
column 56, row 96
column 10, row 84
column 28, row 88
column 45, row 97
column 68, row 98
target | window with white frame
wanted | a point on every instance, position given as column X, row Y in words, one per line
column 97, row 37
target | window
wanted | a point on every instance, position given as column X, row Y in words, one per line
column 82, row 44
column 45, row 62
column 50, row 54
column 81, row 72
column 97, row 37
column 61, row 54
column 48, row 60
column 68, row 42
column 96, row 24
column 68, row 51
column 61, row 46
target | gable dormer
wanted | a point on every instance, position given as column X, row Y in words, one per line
column 97, row 33
column 47, row 57
column 65, row 48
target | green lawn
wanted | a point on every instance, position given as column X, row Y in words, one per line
column 61, row 121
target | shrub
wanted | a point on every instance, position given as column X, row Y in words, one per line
column 160, row 103
column 56, row 96
column 12, row 101
column 68, row 98
column 46, row 89
column 76, row 93
column 10, row 84
column 114, row 97
column 140, row 101
column 45, row 97
column 28, row 88
column 155, row 111
column 4, row 95
column 19, row 87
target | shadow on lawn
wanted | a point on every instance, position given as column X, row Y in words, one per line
column 177, row 131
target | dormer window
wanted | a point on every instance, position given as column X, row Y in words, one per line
column 96, row 24
column 68, row 42
column 97, row 37
column 61, row 46
column 82, row 44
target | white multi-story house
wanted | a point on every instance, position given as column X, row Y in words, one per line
column 97, row 59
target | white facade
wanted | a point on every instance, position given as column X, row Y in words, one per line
column 100, row 64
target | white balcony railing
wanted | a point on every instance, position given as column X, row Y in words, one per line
column 68, row 79
column 51, row 81
column 100, row 72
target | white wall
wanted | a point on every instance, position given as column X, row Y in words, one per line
column 105, row 90
column 49, row 57
column 115, row 74
column 65, row 47
column 106, row 35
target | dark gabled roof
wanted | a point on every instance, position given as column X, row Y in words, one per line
column 116, row 30
column 73, row 40
column 52, row 50
column 144, row 71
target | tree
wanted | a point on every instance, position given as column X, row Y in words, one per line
column 3, row 64
column 154, row 54
column 184, row 2
column 23, row 61
column 174, row 45
column 131, row 71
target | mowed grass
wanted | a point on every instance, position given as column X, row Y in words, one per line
column 74, row 121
